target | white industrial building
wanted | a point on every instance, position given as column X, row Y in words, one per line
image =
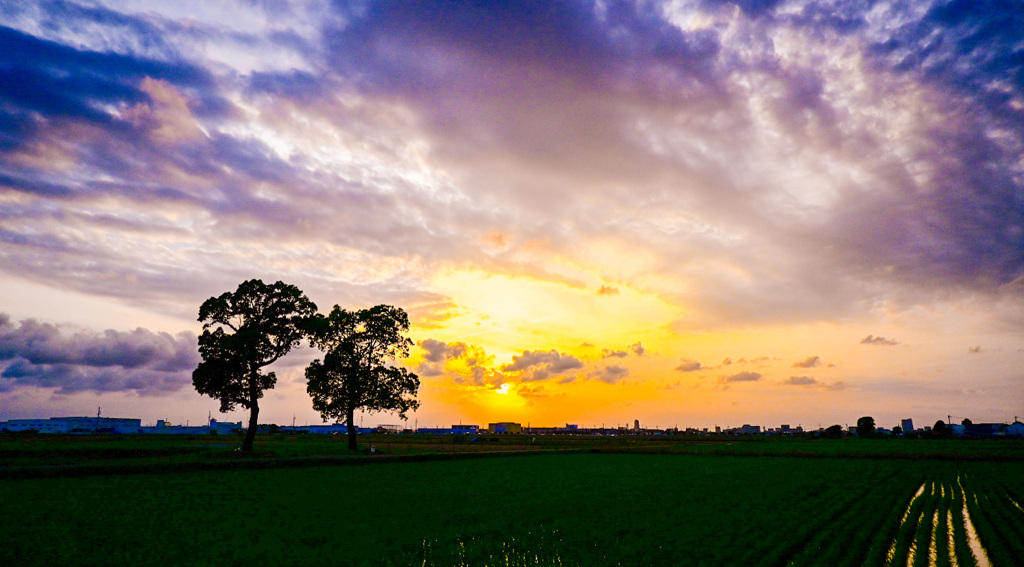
column 74, row 425
column 164, row 427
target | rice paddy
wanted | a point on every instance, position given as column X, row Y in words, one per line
column 586, row 509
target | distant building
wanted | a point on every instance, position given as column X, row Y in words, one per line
column 435, row 431
column 636, row 424
column 1015, row 429
column 786, row 430
column 74, row 425
column 984, row 430
column 907, row 425
column 505, row 427
column 324, row 429
column 453, row 430
column 214, row 427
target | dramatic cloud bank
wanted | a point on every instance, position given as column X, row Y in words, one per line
column 656, row 178
column 359, row 139
column 44, row 356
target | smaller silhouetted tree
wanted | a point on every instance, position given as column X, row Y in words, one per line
column 358, row 372
column 833, row 432
column 966, row 422
column 897, row 431
column 866, row 427
column 940, row 431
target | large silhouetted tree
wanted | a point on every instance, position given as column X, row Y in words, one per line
column 358, row 371
column 865, row 427
column 244, row 331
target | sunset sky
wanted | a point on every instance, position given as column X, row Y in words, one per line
column 689, row 213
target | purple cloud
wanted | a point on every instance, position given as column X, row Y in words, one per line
column 611, row 374
column 742, row 377
column 42, row 355
column 809, row 362
column 687, row 365
column 800, row 381
column 880, row 341
column 543, row 364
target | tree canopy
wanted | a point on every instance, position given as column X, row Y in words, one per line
column 244, row 331
column 833, row 432
column 358, row 371
column 941, row 430
column 866, row 426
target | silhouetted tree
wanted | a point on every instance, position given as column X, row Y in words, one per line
column 966, row 422
column 833, row 432
column 865, row 426
column 897, row 431
column 940, row 429
column 360, row 348
column 243, row 331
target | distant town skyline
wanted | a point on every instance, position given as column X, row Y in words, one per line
column 682, row 212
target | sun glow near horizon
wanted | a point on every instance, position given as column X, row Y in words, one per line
column 510, row 313
column 679, row 214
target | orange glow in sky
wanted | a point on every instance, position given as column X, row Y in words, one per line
column 701, row 214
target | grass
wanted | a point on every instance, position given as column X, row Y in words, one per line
column 20, row 451
column 631, row 504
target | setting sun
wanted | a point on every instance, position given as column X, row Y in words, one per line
column 692, row 212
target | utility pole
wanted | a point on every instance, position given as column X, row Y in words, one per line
column 97, row 420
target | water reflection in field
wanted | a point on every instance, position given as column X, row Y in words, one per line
column 538, row 546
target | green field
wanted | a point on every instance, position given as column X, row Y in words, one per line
column 41, row 451
column 598, row 508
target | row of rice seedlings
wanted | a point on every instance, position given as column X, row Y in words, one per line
column 940, row 531
column 796, row 530
column 538, row 546
column 858, row 547
column 826, row 540
column 998, row 523
column 851, row 547
column 898, row 553
column 834, row 543
column 961, row 541
column 949, row 545
column 939, row 551
column 1015, row 497
column 974, row 523
column 917, row 555
column 885, row 537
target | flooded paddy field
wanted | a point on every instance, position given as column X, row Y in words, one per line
column 559, row 509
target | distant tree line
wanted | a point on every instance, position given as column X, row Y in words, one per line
column 866, row 430
column 248, row 329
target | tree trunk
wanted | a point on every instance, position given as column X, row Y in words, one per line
column 254, row 424
column 352, row 446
